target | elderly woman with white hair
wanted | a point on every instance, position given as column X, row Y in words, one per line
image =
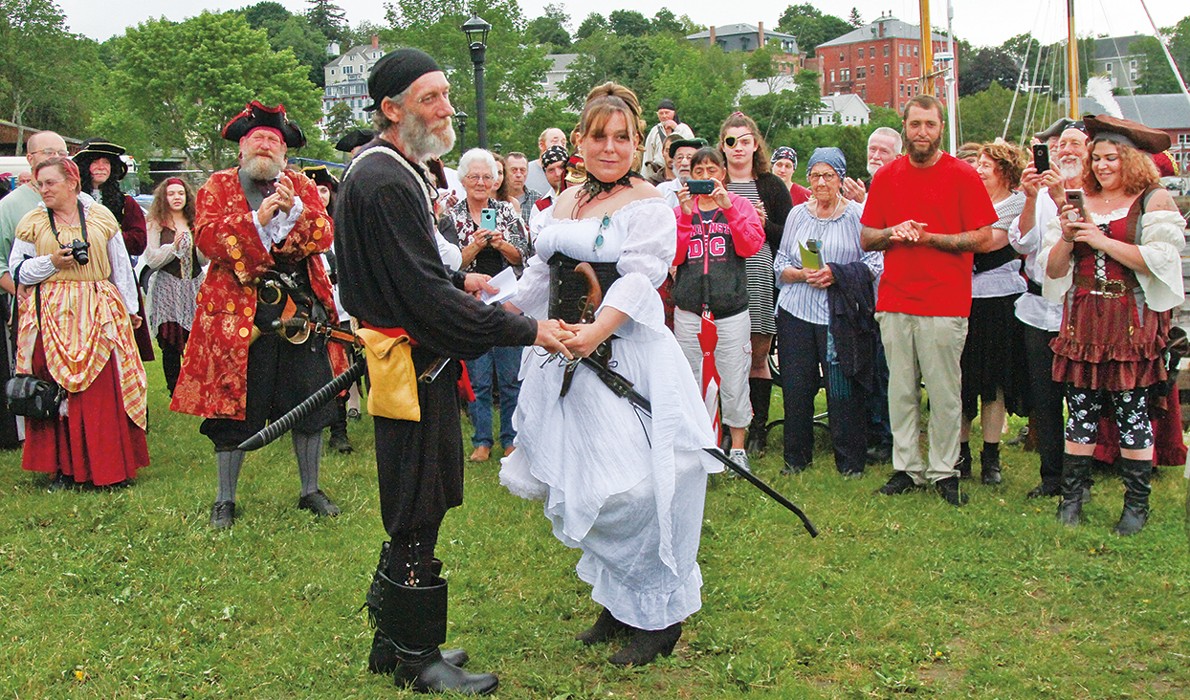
column 492, row 237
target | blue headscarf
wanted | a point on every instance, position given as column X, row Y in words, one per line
column 784, row 152
column 832, row 157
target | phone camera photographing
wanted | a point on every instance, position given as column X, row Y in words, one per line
column 700, row 186
column 1041, row 157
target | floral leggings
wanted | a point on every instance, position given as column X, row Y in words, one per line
column 1132, row 416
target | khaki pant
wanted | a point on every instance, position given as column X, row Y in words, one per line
column 924, row 349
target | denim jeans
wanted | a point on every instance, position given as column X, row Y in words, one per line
column 505, row 364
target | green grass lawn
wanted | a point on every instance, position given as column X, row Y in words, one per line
column 130, row 595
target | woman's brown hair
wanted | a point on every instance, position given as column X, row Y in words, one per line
column 159, row 209
column 1010, row 162
column 760, row 157
column 606, row 100
column 1137, row 169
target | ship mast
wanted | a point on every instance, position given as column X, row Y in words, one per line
column 1072, row 81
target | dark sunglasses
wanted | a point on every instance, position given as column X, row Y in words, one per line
column 731, row 141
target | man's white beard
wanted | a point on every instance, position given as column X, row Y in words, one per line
column 420, row 142
column 1070, row 171
column 262, row 167
column 872, row 168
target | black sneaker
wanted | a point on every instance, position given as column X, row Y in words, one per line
column 341, row 443
column 948, row 489
column 223, row 514
column 318, row 503
column 898, row 484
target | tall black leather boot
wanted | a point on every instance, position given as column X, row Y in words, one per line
column 1076, row 474
column 412, row 618
column 760, row 392
column 1137, row 475
column 645, row 646
column 383, row 657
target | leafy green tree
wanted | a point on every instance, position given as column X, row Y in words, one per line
column 1155, row 77
column 665, row 22
column 339, row 120
column 981, row 67
column 854, row 19
column 49, row 78
column 702, row 80
column 289, row 31
column 628, row 23
column 363, row 32
column 627, row 60
column 594, row 23
column 161, row 99
column 982, row 115
column 513, row 69
column 550, row 28
column 328, row 18
column 810, row 26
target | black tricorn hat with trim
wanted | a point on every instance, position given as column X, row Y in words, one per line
column 354, row 139
column 321, row 176
column 96, row 148
column 257, row 115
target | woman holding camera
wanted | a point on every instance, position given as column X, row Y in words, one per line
column 1112, row 258
column 826, row 331
column 78, row 309
column 717, row 232
column 492, row 237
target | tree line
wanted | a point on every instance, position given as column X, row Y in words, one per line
column 167, row 88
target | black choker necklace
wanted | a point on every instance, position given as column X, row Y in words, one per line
column 594, row 187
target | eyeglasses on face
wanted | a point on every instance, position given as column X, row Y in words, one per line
column 731, row 141
column 825, row 177
column 479, row 178
column 49, row 182
column 51, row 152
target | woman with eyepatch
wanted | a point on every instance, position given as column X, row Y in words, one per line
column 748, row 175
column 717, row 233
column 76, row 330
column 826, row 328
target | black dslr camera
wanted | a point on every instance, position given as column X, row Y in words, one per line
column 78, row 251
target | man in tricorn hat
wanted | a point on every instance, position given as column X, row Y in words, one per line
column 394, row 283
column 262, row 226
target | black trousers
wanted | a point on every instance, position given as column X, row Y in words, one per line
column 801, row 349
column 1045, row 401
column 419, row 465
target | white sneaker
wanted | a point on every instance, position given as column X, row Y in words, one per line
column 740, row 457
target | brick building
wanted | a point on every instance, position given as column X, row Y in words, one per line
column 880, row 62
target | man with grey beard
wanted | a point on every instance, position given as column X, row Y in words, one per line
column 1041, row 319
column 884, row 146
column 262, row 226
column 394, row 283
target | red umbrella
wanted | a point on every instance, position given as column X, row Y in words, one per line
column 708, row 338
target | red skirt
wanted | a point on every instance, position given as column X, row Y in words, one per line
column 95, row 443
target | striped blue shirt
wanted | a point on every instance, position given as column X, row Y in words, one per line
column 838, row 243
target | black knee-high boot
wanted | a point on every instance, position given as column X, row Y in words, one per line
column 1076, row 474
column 761, row 394
column 1137, row 475
column 383, row 658
column 410, row 617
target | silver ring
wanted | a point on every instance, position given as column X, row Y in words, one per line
column 1072, row 216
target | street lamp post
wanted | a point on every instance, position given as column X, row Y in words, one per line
column 477, row 38
column 461, row 120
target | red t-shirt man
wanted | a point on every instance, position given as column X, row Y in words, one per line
column 949, row 198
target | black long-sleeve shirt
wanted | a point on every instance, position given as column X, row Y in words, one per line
column 392, row 275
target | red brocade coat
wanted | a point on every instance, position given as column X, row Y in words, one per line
column 214, row 378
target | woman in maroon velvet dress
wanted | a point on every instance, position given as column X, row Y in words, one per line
column 1114, row 261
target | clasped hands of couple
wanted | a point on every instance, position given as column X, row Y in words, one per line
column 556, row 336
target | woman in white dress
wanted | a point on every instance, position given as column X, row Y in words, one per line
column 625, row 488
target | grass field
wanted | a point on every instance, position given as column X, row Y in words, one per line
column 129, row 594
